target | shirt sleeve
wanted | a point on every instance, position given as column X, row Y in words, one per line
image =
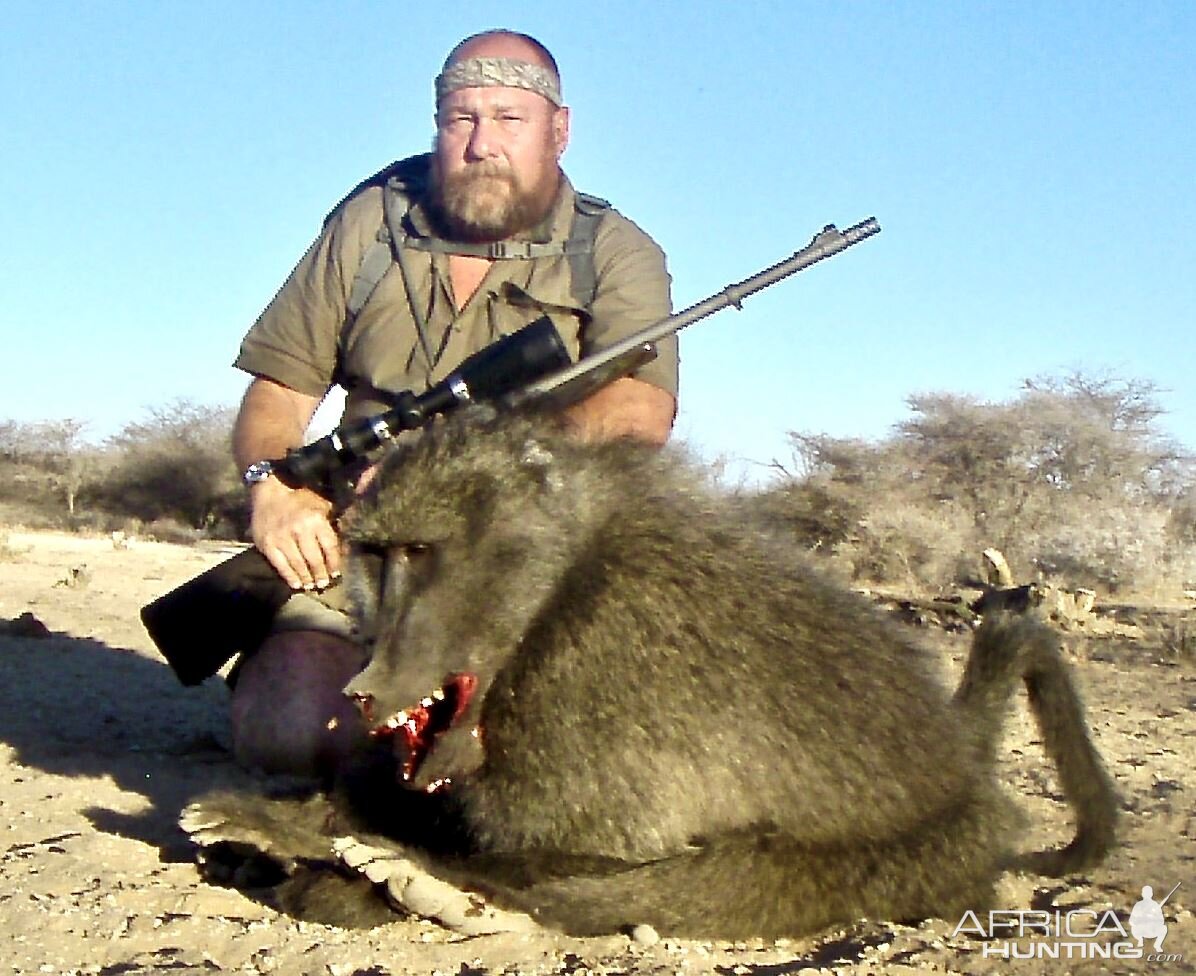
column 632, row 293
column 295, row 340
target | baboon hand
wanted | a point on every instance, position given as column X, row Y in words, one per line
column 413, row 890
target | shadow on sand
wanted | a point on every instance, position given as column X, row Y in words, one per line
column 79, row 707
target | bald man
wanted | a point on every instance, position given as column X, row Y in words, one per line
column 480, row 237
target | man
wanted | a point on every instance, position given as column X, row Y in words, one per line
column 493, row 178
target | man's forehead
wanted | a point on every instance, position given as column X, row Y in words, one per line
column 492, row 98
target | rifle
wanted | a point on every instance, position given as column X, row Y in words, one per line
column 1170, row 893
column 230, row 608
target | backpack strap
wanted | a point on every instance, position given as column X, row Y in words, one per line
column 498, row 250
column 400, row 181
column 374, row 265
column 588, row 212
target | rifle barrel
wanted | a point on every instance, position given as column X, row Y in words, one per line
column 828, row 242
column 1169, row 894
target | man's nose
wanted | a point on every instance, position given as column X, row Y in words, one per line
column 483, row 140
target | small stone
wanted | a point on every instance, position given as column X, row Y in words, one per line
column 644, row 935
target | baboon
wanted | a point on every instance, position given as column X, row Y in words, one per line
column 607, row 699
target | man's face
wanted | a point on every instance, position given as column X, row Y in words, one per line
column 496, row 153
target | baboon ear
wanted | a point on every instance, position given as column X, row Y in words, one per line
column 541, row 463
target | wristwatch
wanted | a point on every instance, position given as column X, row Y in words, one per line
column 257, row 472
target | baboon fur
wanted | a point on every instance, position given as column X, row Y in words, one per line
column 682, row 722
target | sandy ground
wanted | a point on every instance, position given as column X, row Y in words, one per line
column 100, row 748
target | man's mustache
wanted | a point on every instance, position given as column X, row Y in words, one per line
column 487, row 170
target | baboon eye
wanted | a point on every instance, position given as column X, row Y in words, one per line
column 418, row 562
column 419, row 556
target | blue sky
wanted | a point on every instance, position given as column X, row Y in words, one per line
column 1032, row 165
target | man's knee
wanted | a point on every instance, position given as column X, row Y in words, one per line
column 288, row 711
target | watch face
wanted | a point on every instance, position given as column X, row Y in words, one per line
column 257, row 472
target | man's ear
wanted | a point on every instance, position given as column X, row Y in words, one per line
column 560, row 129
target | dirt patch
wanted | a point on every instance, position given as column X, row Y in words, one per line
column 100, row 748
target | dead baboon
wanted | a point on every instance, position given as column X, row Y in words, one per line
column 617, row 702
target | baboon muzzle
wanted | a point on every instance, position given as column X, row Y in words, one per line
column 414, row 730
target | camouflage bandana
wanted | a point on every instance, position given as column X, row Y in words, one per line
column 507, row 72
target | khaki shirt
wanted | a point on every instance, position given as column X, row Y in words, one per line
column 302, row 339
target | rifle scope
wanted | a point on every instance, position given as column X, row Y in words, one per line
column 501, row 368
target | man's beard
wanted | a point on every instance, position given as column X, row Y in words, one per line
column 485, row 202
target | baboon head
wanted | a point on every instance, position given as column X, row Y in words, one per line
column 453, row 552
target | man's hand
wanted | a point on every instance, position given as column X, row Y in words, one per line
column 293, row 530
column 291, row 527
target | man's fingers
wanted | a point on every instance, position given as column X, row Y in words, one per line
column 330, row 543
column 293, row 529
column 281, row 562
column 299, row 558
column 314, row 570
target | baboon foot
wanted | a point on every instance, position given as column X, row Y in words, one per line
column 284, row 830
column 280, row 852
column 296, row 856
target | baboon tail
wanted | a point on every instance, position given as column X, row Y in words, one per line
column 766, row 885
column 1010, row 646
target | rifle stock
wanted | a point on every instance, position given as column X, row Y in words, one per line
column 200, row 625
column 229, row 608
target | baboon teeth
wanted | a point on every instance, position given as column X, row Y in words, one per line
column 417, row 727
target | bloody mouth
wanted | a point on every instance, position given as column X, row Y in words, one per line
column 414, row 729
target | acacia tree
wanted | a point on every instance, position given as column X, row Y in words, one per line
column 63, row 453
column 1099, row 434
column 57, row 454
column 1071, row 477
column 175, row 464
